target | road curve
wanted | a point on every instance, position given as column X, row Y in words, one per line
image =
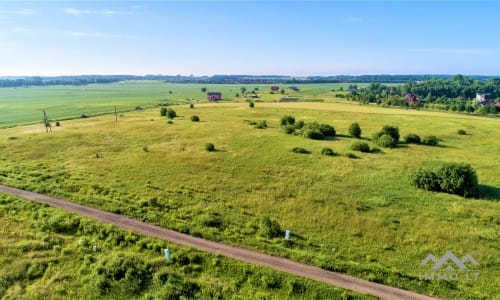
column 250, row 256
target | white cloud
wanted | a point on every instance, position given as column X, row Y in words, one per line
column 105, row 12
column 83, row 34
column 25, row 12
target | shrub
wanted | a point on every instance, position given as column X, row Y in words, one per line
column 287, row 120
column 300, row 124
column 170, row 122
column 314, row 134
column 412, row 139
column 360, row 146
column 351, row 155
column 251, row 104
column 460, row 131
column 430, row 140
column 452, row 178
column 327, row 151
column 355, row 130
column 459, row 179
column 389, row 130
column 386, row 141
column 163, row 111
column 191, row 105
column 171, row 113
column 300, row 150
column 261, row 125
column 269, row 228
column 195, row 118
column 425, row 179
column 289, row 129
column 327, row 130
column 58, row 123
column 83, row 116
column 210, row 147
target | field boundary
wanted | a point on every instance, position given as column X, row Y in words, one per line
column 237, row 253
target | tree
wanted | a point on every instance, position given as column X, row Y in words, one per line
column 355, row 130
column 203, row 89
column 243, row 90
column 163, row 111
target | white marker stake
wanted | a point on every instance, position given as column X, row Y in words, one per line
column 167, row 254
column 287, row 234
column 94, row 248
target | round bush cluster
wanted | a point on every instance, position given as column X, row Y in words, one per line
column 360, row 146
column 412, row 139
column 210, row 147
column 195, row 118
column 452, row 178
column 327, row 151
column 430, row 140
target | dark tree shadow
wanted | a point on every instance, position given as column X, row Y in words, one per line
column 489, row 193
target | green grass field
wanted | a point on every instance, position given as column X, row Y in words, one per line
column 48, row 254
column 358, row 216
column 24, row 105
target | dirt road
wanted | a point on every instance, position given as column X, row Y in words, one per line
column 254, row 257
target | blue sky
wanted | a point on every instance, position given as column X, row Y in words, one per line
column 253, row 37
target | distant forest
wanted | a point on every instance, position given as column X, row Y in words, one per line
column 457, row 93
column 221, row 79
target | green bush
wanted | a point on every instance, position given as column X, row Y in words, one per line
column 300, row 124
column 452, row 178
column 210, row 147
column 289, row 129
column 287, row 120
column 191, row 105
column 58, row 123
column 261, row 125
column 430, row 140
column 195, row 118
column 425, row 179
column 355, row 130
column 327, row 130
column 386, row 141
column 171, row 113
column 327, row 151
column 389, row 130
column 300, row 150
column 251, row 104
column 360, row 146
column 458, row 178
column 412, row 138
column 314, row 134
column 460, row 131
column 269, row 228
column 163, row 111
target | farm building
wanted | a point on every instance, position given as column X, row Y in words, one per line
column 275, row 88
column 214, row 96
column 483, row 98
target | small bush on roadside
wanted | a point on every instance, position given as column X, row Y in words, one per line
column 360, row 146
column 210, row 147
column 430, row 140
column 386, row 141
column 269, row 228
column 300, row 150
column 195, row 118
column 461, row 132
column 327, row 151
column 355, row 130
column 412, row 138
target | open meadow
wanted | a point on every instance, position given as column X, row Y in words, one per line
column 23, row 105
column 352, row 212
